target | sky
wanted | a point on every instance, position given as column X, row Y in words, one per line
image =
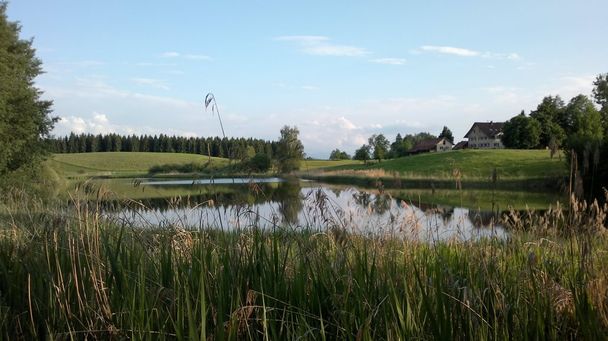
column 338, row 70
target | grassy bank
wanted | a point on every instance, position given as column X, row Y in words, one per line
column 469, row 164
column 69, row 273
column 137, row 164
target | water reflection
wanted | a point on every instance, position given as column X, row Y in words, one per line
column 292, row 204
column 290, row 201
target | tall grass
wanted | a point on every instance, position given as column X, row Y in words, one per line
column 70, row 273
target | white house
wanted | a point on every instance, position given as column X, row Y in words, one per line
column 485, row 135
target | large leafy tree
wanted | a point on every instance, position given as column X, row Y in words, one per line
column 290, row 150
column 600, row 94
column 583, row 124
column 337, row 154
column 409, row 141
column 547, row 113
column 581, row 120
column 380, row 146
column 521, row 132
column 362, row 153
column 24, row 117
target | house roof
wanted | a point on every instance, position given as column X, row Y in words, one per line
column 461, row 145
column 490, row 129
column 426, row 145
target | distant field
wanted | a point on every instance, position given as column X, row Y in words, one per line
column 316, row 164
column 121, row 163
column 82, row 165
column 473, row 164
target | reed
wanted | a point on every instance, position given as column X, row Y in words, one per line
column 68, row 272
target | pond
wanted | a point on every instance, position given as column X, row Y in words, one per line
column 276, row 203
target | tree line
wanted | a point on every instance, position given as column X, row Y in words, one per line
column 554, row 123
column 232, row 148
column 580, row 128
column 378, row 147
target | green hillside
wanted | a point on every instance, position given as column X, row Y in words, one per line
column 473, row 164
column 122, row 163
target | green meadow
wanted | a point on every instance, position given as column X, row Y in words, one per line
column 472, row 164
column 123, row 164
column 137, row 164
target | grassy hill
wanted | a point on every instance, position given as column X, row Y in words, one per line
column 122, row 163
column 125, row 164
column 473, row 164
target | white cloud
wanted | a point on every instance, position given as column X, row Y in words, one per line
column 507, row 94
column 458, row 51
column 129, row 109
column 155, row 83
column 322, row 46
column 100, row 124
column 389, row 61
column 324, row 133
column 513, row 56
column 464, row 52
column 70, row 124
column 494, row 55
column 171, row 54
column 574, row 85
column 344, row 123
column 190, row 56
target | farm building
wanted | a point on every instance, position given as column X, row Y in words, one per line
column 461, row 145
column 432, row 145
column 485, row 135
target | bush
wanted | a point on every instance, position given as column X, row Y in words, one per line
column 260, row 162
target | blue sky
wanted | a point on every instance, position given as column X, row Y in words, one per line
column 339, row 71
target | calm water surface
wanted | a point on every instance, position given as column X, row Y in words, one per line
column 275, row 203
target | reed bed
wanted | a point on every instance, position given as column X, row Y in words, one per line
column 68, row 273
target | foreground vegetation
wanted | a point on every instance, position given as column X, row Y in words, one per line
column 69, row 273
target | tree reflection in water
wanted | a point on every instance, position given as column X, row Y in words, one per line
column 288, row 195
column 317, row 206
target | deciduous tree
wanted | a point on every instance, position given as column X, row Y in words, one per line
column 337, row 154
column 290, row 150
column 521, row 132
column 380, row 145
column 547, row 113
column 362, row 154
column 24, row 117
